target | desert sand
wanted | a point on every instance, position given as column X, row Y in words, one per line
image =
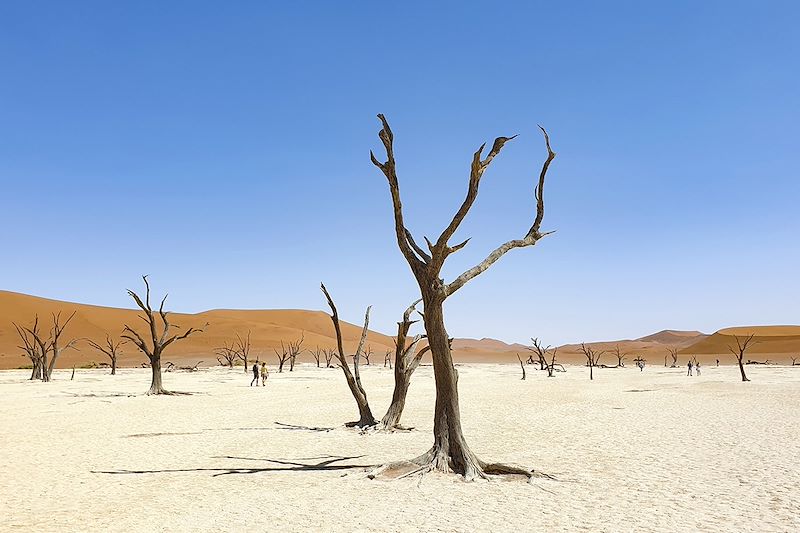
column 644, row 451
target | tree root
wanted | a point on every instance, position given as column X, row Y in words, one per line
column 434, row 461
column 167, row 393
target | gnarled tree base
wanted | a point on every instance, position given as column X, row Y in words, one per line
column 154, row 392
column 437, row 461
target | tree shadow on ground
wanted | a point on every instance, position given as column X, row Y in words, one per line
column 325, row 464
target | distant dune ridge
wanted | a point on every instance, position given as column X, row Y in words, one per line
column 269, row 327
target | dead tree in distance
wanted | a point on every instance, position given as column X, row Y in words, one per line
column 387, row 359
column 329, row 354
column 52, row 344
column 673, row 352
column 740, row 349
column 316, row 354
column 228, row 353
column 406, row 361
column 552, row 366
column 31, row 349
column 365, row 418
column 243, row 349
column 620, row 356
column 111, row 350
column 158, row 341
column 592, row 358
column 540, row 351
column 295, row 348
column 367, row 354
column 522, row 365
column 283, row 356
column 450, row 452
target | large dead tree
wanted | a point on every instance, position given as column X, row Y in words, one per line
column 53, row 344
column 158, row 341
column 450, row 452
column 406, row 361
column 522, row 365
column 111, row 349
column 592, row 358
column 739, row 350
column 31, row 349
column 365, row 418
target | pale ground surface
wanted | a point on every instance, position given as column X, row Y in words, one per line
column 653, row 451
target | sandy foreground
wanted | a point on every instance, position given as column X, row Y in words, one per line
column 654, row 451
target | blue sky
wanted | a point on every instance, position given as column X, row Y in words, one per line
column 222, row 148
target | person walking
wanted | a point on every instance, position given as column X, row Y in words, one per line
column 255, row 374
column 264, row 374
column 697, row 367
column 689, row 364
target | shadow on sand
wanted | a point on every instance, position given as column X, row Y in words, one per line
column 326, row 463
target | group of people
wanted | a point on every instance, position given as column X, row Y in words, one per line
column 696, row 366
column 264, row 374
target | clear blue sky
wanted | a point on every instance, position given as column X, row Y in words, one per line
column 222, row 148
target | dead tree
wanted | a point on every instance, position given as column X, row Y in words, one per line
column 592, row 358
column 794, row 362
column 673, row 352
column 740, row 349
column 51, row 346
column 552, row 366
column 450, row 452
column 620, row 356
column 522, row 365
column 539, row 351
column 243, row 349
column 406, row 361
column 316, row 354
column 387, row 359
column 229, row 354
column 283, row 356
column 328, row 353
column 295, row 348
column 31, row 349
column 158, row 341
column 367, row 355
column 111, row 350
column 365, row 418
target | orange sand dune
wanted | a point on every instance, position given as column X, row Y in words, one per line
column 268, row 329
column 776, row 343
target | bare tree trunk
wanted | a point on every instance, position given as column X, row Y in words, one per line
column 156, row 387
column 392, row 417
column 407, row 359
column 365, row 417
column 450, row 451
column 522, row 365
column 741, row 369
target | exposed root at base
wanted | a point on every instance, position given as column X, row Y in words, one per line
column 437, row 462
column 163, row 392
